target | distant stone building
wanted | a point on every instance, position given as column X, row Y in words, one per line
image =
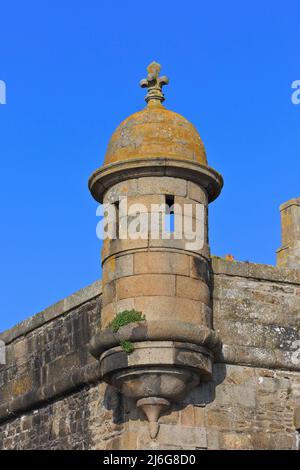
column 214, row 361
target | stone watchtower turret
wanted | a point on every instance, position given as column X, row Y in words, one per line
column 156, row 164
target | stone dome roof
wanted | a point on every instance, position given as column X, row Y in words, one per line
column 155, row 132
column 155, row 141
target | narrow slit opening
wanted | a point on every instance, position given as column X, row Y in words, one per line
column 170, row 217
column 116, row 204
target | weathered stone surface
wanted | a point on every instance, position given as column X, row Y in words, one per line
column 162, row 185
column 109, row 293
column 144, row 203
column 197, row 193
column 116, row 267
column 145, row 285
column 258, row 318
column 108, row 313
column 183, row 244
column 200, row 269
column 155, row 167
column 252, row 403
column 192, row 289
column 76, row 422
column 161, row 262
column 155, row 330
column 122, row 189
column 297, row 418
column 187, row 416
column 289, row 254
column 118, row 247
column 174, row 437
column 167, row 308
column 155, row 131
column 189, row 207
column 260, row 272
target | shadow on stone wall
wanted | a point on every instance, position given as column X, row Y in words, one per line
column 114, row 401
column 123, row 409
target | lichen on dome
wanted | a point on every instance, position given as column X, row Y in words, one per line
column 155, row 131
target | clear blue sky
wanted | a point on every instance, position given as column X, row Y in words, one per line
column 72, row 71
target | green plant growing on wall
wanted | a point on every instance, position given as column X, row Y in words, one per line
column 124, row 318
column 127, row 346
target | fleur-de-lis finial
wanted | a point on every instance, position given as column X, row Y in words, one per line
column 154, row 83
